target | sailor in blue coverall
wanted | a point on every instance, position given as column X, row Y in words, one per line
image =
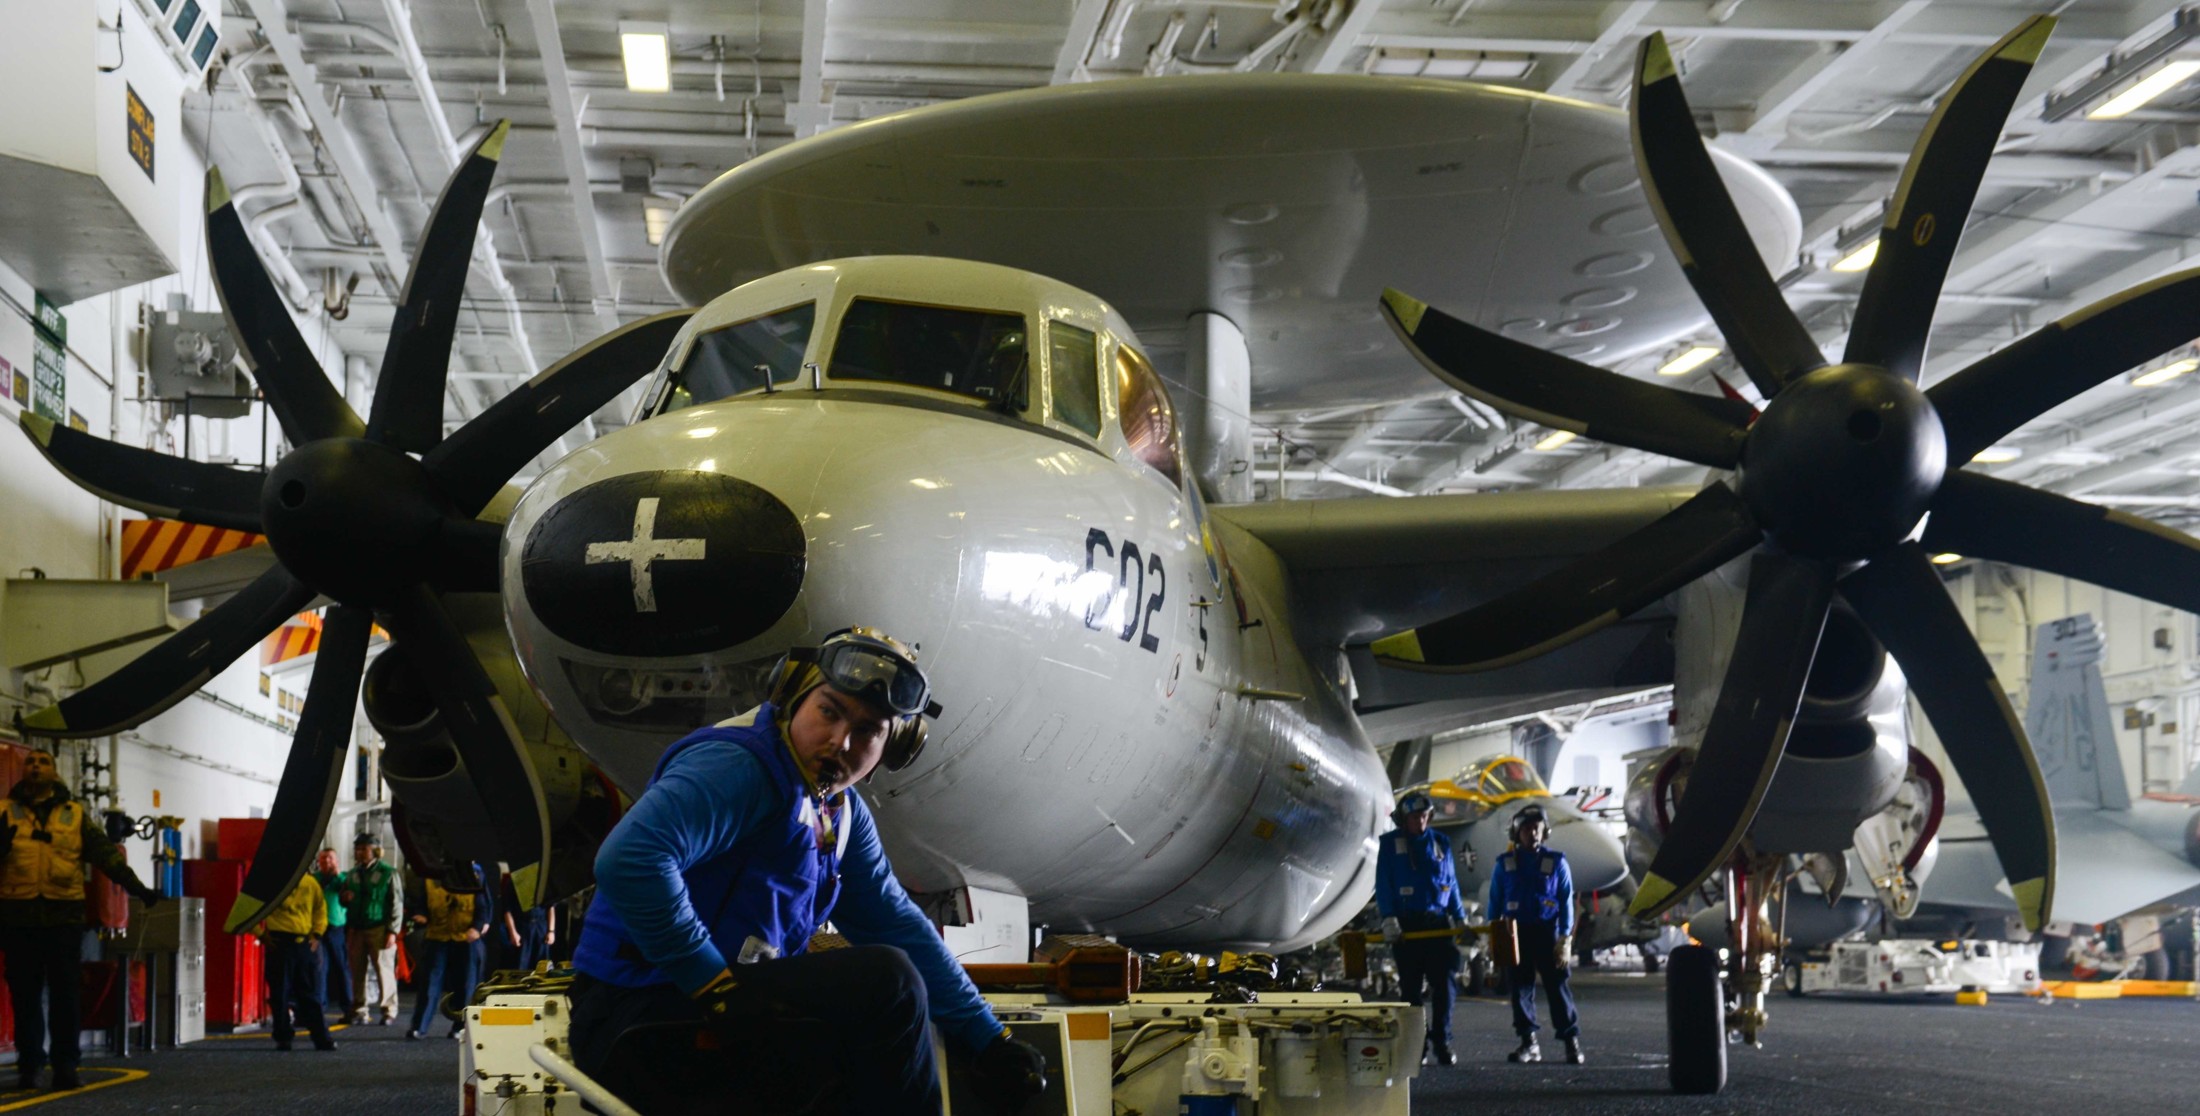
column 1417, row 889
column 710, row 887
column 1534, row 887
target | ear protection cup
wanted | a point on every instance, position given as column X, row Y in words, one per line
column 786, row 675
column 904, row 743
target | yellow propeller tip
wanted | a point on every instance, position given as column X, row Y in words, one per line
column 244, row 912
column 1657, row 60
column 1405, row 646
column 1651, row 896
column 492, row 145
column 217, row 191
column 2032, row 901
column 2029, row 40
column 39, row 427
column 1406, row 308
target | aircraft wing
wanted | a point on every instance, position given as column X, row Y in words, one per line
column 1284, row 202
column 2103, row 871
column 1363, row 568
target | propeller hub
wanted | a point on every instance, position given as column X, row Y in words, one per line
column 355, row 520
column 1844, row 462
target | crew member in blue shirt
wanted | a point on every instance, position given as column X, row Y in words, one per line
column 1534, row 887
column 709, row 889
column 1417, row 890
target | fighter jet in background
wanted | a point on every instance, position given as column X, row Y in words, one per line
column 1475, row 809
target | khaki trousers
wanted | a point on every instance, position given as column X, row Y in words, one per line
column 375, row 948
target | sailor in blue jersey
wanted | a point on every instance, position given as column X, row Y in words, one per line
column 1417, row 892
column 1534, row 887
column 708, row 890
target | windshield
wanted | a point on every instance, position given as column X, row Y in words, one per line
column 1503, row 775
column 741, row 357
column 970, row 352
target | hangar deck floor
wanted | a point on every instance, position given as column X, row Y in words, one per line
column 1823, row 1057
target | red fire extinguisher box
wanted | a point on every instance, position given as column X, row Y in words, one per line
column 236, row 989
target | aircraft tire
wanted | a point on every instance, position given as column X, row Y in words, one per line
column 1695, row 1021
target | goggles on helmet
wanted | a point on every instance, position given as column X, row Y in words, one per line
column 876, row 670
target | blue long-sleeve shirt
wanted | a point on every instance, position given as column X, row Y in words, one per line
column 1416, row 875
column 705, row 802
column 1535, row 888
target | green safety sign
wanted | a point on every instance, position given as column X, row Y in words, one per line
column 49, row 362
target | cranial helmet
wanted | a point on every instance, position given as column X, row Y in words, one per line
column 1530, row 815
column 872, row 666
column 1414, row 802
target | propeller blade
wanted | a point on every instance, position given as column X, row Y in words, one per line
column 482, row 730
column 306, row 404
column 1781, row 621
column 183, row 662
column 1925, row 220
column 307, row 793
column 1566, row 394
column 2002, row 391
column 1700, row 222
column 479, row 457
column 1900, row 597
column 1988, row 518
column 408, row 399
column 154, row 483
column 1708, row 531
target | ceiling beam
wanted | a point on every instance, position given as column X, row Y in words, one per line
column 1796, row 89
column 1344, row 38
column 808, row 114
column 351, row 170
column 1620, row 23
column 547, row 40
column 1077, row 41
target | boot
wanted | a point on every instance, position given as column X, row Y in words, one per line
column 1443, row 1055
column 1574, row 1056
column 65, row 1078
column 26, row 1079
column 1527, row 1052
column 1428, row 1050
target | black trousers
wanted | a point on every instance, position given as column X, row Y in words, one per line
column 846, row 1020
column 294, row 976
column 45, row 963
column 1425, row 970
column 1539, row 957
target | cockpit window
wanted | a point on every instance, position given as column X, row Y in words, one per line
column 1149, row 423
column 972, row 352
column 1503, row 775
column 1073, row 358
column 740, row 357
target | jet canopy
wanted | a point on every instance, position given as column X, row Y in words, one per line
column 1482, row 787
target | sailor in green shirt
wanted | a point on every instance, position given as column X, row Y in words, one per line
column 374, row 909
column 335, row 953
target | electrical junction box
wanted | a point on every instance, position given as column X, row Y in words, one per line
column 95, row 179
column 193, row 360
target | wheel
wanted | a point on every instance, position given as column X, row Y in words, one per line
column 1650, row 963
column 1695, row 1020
column 1791, row 978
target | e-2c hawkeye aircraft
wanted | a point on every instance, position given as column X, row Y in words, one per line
column 1147, row 729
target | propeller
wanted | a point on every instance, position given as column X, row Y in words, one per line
column 354, row 516
column 1832, row 482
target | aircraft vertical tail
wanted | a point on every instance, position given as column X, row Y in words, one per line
column 2067, row 717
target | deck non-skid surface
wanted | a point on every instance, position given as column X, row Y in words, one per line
column 1822, row 1057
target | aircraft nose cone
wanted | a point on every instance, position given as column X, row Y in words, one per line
column 664, row 563
column 1597, row 860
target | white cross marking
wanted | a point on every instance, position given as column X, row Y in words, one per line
column 643, row 549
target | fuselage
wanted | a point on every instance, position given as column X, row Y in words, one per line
column 1132, row 738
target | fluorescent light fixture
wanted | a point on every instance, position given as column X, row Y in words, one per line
column 2157, row 83
column 1996, row 455
column 1696, row 357
column 654, row 220
column 1553, row 440
column 647, row 48
column 1947, row 559
column 1860, row 258
column 2165, row 373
